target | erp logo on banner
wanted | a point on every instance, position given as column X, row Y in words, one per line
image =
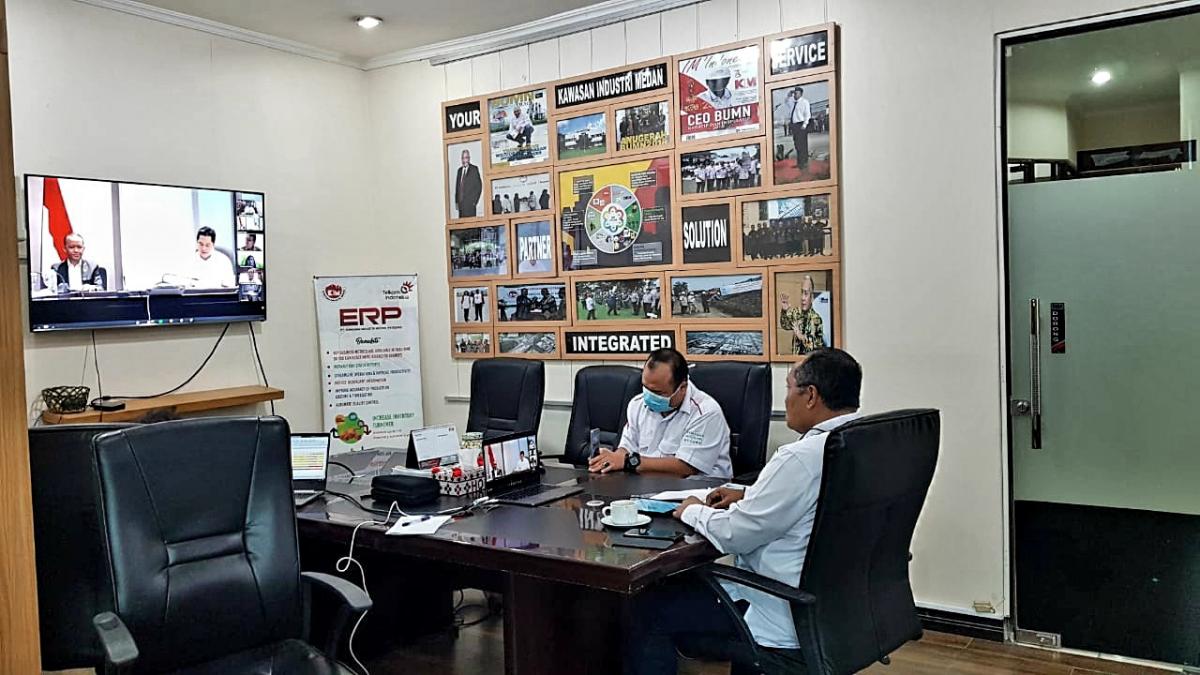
column 367, row 316
column 462, row 117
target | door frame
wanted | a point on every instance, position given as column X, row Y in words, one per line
column 1003, row 40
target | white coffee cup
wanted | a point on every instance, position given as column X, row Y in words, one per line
column 622, row 512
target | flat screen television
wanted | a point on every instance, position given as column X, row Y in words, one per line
column 107, row 254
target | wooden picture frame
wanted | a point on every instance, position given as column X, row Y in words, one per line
column 778, row 139
column 508, row 305
column 774, row 44
column 767, row 253
column 726, row 181
column 456, row 311
column 787, row 281
column 500, row 238
column 501, row 335
column 626, row 314
column 538, row 151
column 517, row 183
column 488, row 350
column 716, row 352
column 642, row 341
column 698, row 118
column 731, row 286
column 517, row 252
column 706, row 228
column 454, row 147
column 565, row 127
column 463, row 115
column 612, row 185
column 641, row 141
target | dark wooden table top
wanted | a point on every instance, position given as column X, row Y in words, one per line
column 563, row 541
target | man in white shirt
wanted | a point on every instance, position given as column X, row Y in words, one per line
column 800, row 116
column 211, row 268
column 673, row 427
column 520, row 130
column 767, row 526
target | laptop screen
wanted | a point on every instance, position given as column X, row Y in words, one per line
column 510, row 455
column 310, row 460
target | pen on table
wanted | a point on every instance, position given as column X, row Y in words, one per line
column 418, row 520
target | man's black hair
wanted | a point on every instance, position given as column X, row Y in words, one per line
column 835, row 374
column 674, row 360
column 207, row 231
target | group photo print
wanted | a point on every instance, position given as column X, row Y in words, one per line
column 646, row 126
column 720, row 169
column 800, row 133
column 531, row 302
column 804, row 306
column 518, row 129
column 480, row 251
column 464, row 179
column 520, row 194
column 472, row 344
column 725, row 296
column 786, row 227
column 634, row 299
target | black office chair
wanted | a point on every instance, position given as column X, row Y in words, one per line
column 201, row 540
column 72, row 577
column 506, row 396
column 602, row 396
column 854, row 605
column 743, row 390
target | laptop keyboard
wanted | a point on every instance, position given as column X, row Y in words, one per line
column 527, row 491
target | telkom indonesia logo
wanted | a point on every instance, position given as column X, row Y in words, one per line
column 334, row 292
column 406, row 288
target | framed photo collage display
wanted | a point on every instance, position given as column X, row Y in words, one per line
column 690, row 201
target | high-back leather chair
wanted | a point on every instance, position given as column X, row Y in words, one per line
column 602, row 396
column 200, row 535
column 854, row 604
column 743, row 390
column 72, row 576
column 506, row 396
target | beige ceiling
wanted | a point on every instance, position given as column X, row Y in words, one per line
column 407, row 23
column 1145, row 61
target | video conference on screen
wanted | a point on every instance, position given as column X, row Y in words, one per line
column 509, row 457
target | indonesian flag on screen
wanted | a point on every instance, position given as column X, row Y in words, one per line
column 54, row 214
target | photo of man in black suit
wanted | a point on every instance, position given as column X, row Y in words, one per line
column 77, row 274
column 468, row 186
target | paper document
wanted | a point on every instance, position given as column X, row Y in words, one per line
column 680, row 495
column 412, row 525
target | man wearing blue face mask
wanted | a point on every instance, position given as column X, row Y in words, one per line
column 673, row 427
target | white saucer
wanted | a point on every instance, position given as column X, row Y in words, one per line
column 642, row 519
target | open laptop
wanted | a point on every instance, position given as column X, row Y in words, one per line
column 512, row 472
column 310, row 462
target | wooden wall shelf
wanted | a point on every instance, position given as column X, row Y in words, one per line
column 187, row 402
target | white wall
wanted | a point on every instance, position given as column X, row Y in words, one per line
column 103, row 94
column 1040, row 131
column 1156, row 122
column 348, row 162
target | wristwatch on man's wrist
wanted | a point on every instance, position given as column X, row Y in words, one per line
column 632, row 461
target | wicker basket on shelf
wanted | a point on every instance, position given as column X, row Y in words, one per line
column 66, row 399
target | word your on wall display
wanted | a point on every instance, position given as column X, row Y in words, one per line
column 688, row 202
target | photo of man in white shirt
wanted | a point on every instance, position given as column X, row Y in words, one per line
column 210, row 268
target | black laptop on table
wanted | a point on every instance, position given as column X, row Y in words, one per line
column 513, row 472
column 310, row 462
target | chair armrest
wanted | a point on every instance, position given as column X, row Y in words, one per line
column 760, row 583
column 353, row 597
column 119, row 646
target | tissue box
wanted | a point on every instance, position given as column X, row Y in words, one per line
column 457, row 481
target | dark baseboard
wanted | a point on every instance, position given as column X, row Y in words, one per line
column 962, row 624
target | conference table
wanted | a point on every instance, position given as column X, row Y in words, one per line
column 566, row 587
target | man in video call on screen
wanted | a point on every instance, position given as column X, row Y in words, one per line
column 467, row 187
column 210, row 268
column 77, row 274
column 673, row 426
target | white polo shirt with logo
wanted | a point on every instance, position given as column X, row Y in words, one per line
column 696, row 433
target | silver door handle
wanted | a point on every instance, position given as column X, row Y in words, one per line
column 1035, row 372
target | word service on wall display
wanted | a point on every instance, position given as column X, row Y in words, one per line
column 689, row 202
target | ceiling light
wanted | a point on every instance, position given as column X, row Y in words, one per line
column 1101, row 77
column 368, row 21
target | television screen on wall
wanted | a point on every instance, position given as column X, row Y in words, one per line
column 107, row 254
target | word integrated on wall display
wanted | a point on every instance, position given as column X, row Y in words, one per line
column 688, row 202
